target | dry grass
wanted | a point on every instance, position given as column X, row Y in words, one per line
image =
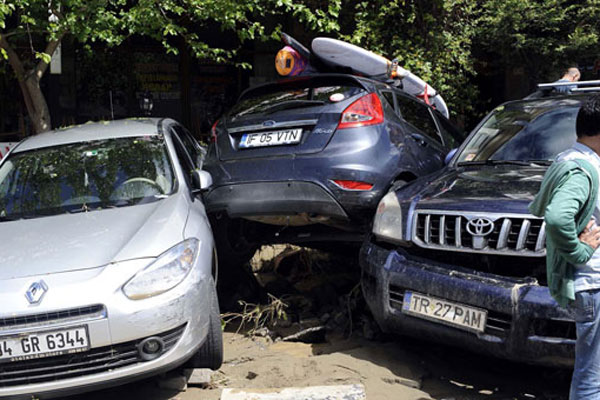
column 256, row 316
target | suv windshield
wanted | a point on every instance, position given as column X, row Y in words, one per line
column 523, row 132
column 296, row 94
column 85, row 176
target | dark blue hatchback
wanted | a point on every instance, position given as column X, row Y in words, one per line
column 456, row 257
column 303, row 153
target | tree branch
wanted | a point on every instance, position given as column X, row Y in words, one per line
column 13, row 58
column 6, row 35
column 41, row 66
column 19, row 70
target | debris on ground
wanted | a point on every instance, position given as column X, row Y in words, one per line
column 311, row 293
column 310, row 335
column 200, row 377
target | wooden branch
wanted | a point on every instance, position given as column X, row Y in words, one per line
column 41, row 66
column 19, row 70
column 13, row 58
column 11, row 33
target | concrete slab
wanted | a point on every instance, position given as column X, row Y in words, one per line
column 200, row 377
column 339, row 392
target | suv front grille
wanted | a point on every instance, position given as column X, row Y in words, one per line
column 54, row 317
column 94, row 361
column 521, row 235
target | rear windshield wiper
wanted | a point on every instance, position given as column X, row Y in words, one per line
column 287, row 105
column 525, row 163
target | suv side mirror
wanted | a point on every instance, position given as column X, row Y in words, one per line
column 201, row 180
column 449, row 156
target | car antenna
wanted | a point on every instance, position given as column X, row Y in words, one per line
column 112, row 111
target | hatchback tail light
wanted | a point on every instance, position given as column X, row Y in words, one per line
column 363, row 112
column 213, row 132
column 353, row 185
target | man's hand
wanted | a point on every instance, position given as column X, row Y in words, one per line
column 591, row 235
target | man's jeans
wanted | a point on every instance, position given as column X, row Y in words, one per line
column 586, row 374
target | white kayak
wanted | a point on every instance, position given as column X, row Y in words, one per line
column 364, row 62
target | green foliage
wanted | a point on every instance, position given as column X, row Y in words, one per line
column 431, row 38
column 447, row 41
column 443, row 41
column 6, row 9
column 169, row 18
column 542, row 36
column 111, row 21
column 35, row 27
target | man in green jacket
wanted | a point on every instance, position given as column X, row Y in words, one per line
column 569, row 202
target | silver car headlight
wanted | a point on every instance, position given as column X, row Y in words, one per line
column 387, row 225
column 166, row 272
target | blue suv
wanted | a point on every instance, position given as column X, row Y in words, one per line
column 457, row 258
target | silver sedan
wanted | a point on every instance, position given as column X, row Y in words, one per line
column 107, row 265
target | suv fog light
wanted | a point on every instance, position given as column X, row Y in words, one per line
column 151, row 348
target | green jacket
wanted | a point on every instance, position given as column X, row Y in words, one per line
column 566, row 200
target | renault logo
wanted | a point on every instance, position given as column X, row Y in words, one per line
column 480, row 226
column 36, row 292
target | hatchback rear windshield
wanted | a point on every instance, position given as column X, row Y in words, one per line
column 296, row 94
column 523, row 133
column 84, row 177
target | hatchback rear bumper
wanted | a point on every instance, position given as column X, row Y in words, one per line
column 273, row 198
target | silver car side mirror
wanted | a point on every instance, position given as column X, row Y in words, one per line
column 202, row 180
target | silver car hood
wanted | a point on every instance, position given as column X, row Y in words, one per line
column 70, row 242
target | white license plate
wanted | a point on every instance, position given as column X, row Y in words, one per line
column 447, row 312
column 277, row 138
column 44, row 344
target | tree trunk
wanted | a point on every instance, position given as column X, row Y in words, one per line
column 38, row 111
column 29, row 82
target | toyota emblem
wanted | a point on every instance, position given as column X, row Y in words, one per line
column 480, row 226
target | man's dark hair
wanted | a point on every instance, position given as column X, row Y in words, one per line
column 588, row 117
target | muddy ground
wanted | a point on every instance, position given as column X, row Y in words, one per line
column 322, row 305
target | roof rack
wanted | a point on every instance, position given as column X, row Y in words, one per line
column 578, row 84
column 587, row 89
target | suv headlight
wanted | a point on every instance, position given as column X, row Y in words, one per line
column 166, row 272
column 387, row 225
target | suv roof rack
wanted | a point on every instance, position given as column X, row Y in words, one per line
column 548, row 89
column 581, row 86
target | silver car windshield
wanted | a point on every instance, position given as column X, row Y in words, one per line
column 525, row 134
column 84, row 177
